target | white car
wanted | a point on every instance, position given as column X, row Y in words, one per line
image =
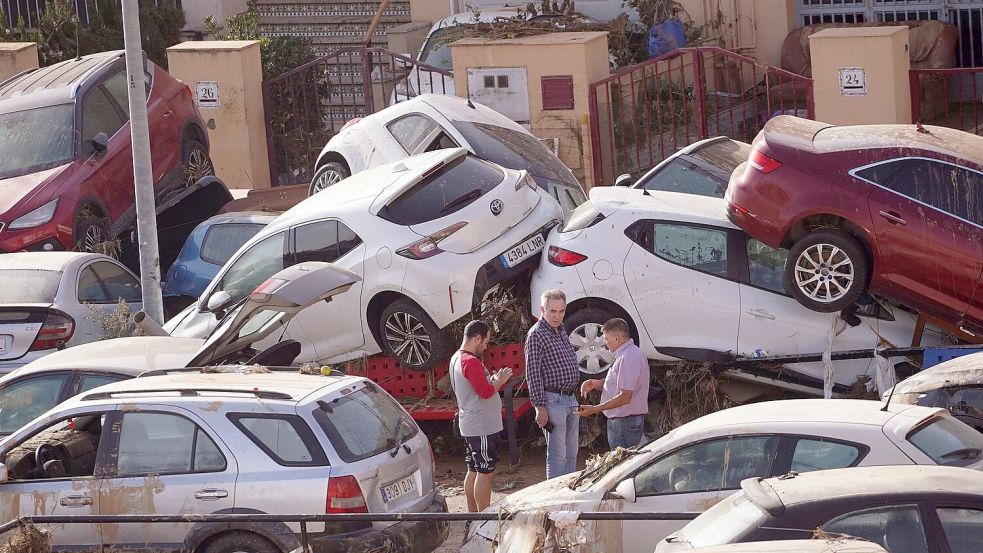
column 703, row 462
column 430, row 236
column 431, row 122
column 691, row 285
column 51, row 300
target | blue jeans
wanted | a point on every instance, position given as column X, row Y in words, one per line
column 564, row 441
column 625, row 431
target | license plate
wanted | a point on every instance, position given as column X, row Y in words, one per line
column 398, row 489
column 522, row 251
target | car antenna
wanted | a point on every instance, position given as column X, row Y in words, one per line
column 645, row 192
column 78, row 49
column 470, row 104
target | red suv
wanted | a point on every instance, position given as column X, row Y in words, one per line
column 893, row 209
column 66, row 173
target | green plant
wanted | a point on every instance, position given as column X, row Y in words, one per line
column 118, row 323
column 651, row 12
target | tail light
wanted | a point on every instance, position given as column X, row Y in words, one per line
column 427, row 247
column 345, row 496
column 271, row 285
column 564, row 258
column 55, row 329
column 762, row 162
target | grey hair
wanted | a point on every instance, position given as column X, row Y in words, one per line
column 554, row 294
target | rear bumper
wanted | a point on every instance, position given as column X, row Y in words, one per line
column 494, row 272
column 406, row 537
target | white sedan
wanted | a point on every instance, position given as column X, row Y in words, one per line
column 52, row 300
column 430, row 122
column 701, row 463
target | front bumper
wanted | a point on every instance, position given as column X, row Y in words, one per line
column 405, row 537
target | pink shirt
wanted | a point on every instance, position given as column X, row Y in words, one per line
column 630, row 371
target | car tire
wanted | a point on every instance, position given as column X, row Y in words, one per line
column 807, row 271
column 196, row 161
column 241, row 542
column 585, row 336
column 90, row 233
column 410, row 336
column 327, row 175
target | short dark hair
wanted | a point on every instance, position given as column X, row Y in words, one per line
column 617, row 325
column 476, row 329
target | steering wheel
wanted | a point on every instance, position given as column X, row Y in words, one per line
column 678, row 476
column 45, row 453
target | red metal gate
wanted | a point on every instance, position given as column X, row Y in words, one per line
column 948, row 98
column 646, row 112
column 306, row 106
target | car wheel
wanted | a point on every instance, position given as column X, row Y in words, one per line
column 241, row 542
column 410, row 336
column 197, row 163
column 585, row 337
column 92, row 235
column 826, row 271
column 329, row 174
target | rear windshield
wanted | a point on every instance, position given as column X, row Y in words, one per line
column 36, row 140
column 28, row 285
column 515, row 150
column 453, row 187
column 725, row 522
column 364, row 423
column 948, row 441
column 724, row 154
column 221, row 241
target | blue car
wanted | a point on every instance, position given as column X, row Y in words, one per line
column 207, row 249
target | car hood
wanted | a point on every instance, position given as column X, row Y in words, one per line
column 552, row 492
column 15, row 189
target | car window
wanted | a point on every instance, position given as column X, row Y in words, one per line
column 29, row 285
column 516, row 150
column 74, row 439
column 766, row 266
column 119, row 89
column 118, row 282
column 709, row 466
column 682, row 176
column 98, row 115
column 364, row 423
column 316, row 242
column 882, row 173
column 222, row 241
column 90, row 381
column 285, row 438
column 261, row 261
column 897, row 528
column 962, row 529
column 455, row 186
column 411, row 130
column 25, row 400
column 948, row 441
column 949, row 188
column 347, row 239
column 36, row 139
column 698, row 248
column 437, row 52
column 818, row 454
column 726, row 155
column 163, row 443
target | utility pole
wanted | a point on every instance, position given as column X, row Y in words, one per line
column 143, row 180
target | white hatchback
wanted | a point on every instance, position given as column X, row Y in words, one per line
column 430, row 236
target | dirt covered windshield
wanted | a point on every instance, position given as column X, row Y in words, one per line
column 36, row 140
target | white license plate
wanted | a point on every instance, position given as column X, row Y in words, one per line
column 398, row 489
column 522, row 251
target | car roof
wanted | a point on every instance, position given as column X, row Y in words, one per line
column 657, row 204
column 967, row 369
column 853, row 545
column 46, row 261
column 55, row 84
column 130, row 356
column 484, row 15
column 262, row 217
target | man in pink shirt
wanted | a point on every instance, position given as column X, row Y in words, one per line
column 624, row 391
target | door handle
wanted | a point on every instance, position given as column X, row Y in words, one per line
column 892, row 217
column 211, row 494
column 168, row 114
column 761, row 313
column 75, row 501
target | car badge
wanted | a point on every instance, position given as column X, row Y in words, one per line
column 496, row 207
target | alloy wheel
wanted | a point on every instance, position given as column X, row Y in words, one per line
column 408, row 338
column 92, row 238
column 592, row 355
column 326, row 179
column 824, row 273
column 198, row 166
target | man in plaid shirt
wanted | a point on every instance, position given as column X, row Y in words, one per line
column 552, row 373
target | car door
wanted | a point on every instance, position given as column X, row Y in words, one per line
column 336, row 327
column 898, row 528
column 167, row 461
column 961, row 527
column 114, row 172
column 692, row 479
column 26, row 398
column 679, row 278
column 100, row 287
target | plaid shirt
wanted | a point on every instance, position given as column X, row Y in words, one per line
column 550, row 361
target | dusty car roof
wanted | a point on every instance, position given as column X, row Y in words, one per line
column 54, row 84
column 122, row 355
column 44, row 261
column 960, row 371
column 658, row 203
column 797, row 546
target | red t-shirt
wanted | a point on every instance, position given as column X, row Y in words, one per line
column 476, row 374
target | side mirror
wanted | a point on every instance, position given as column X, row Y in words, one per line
column 100, row 142
column 218, row 300
column 623, row 180
column 626, row 489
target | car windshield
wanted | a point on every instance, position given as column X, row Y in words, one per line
column 948, row 441
column 28, row 286
column 726, row 522
column 36, row 140
column 515, row 150
column 437, row 51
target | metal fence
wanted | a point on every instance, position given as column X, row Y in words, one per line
column 306, row 106
column 644, row 113
column 948, row 98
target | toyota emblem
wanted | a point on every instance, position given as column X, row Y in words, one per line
column 496, row 207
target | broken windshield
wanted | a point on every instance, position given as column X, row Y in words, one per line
column 36, row 140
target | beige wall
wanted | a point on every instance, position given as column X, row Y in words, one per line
column 407, row 38
column 432, row 10
column 17, row 57
column 195, row 11
column 581, row 55
column 752, row 27
column 238, row 141
column 882, row 52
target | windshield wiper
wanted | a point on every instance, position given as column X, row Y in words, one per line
column 964, row 453
column 468, row 196
column 395, row 441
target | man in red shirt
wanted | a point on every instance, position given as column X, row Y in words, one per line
column 479, row 412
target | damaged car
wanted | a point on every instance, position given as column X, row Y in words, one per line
column 701, row 463
column 956, row 385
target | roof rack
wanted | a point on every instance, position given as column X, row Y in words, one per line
column 263, row 394
column 160, row 372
